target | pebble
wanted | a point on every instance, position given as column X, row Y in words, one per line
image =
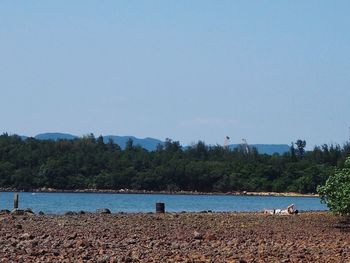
column 197, row 235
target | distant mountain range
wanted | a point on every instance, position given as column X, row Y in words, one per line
column 150, row 144
column 55, row 136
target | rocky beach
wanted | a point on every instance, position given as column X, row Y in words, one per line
column 174, row 237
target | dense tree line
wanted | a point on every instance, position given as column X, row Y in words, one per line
column 88, row 162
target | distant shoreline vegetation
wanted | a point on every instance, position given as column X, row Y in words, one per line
column 130, row 191
column 92, row 163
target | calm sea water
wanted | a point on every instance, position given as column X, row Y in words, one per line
column 58, row 203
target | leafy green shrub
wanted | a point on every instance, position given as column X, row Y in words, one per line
column 336, row 192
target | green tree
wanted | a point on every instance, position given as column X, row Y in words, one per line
column 292, row 153
column 301, row 148
column 336, row 192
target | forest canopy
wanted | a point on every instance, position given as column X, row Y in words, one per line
column 89, row 163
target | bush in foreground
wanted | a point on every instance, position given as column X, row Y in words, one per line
column 336, row 192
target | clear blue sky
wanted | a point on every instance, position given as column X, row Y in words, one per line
column 268, row 71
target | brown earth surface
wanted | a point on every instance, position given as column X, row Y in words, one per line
column 170, row 237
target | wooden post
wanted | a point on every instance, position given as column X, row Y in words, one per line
column 160, row 207
column 15, row 201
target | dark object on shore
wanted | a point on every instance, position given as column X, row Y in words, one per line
column 15, row 201
column 103, row 211
column 81, row 212
column 18, row 212
column 160, row 208
column 206, row 211
column 41, row 213
column 70, row 213
column 4, row 211
column 22, row 212
column 29, row 211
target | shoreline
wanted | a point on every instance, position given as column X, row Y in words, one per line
column 130, row 191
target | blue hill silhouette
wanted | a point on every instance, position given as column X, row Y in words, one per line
column 151, row 144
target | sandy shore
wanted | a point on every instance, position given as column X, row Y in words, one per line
column 180, row 237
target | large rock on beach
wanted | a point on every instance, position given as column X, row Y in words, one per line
column 22, row 212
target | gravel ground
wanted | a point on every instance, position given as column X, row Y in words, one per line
column 175, row 237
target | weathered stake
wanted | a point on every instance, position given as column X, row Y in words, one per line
column 160, row 207
column 15, row 201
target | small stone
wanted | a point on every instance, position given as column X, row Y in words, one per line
column 197, row 235
column 83, row 243
column 34, row 243
column 72, row 236
column 197, row 242
column 104, row 259
column 26, row 236
column 286, row 260
column 131, row 241
column 211, row 237
column 175, row 245
column 152, row 243
column 68, row 244
column 44, row 236
column 34, row 253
